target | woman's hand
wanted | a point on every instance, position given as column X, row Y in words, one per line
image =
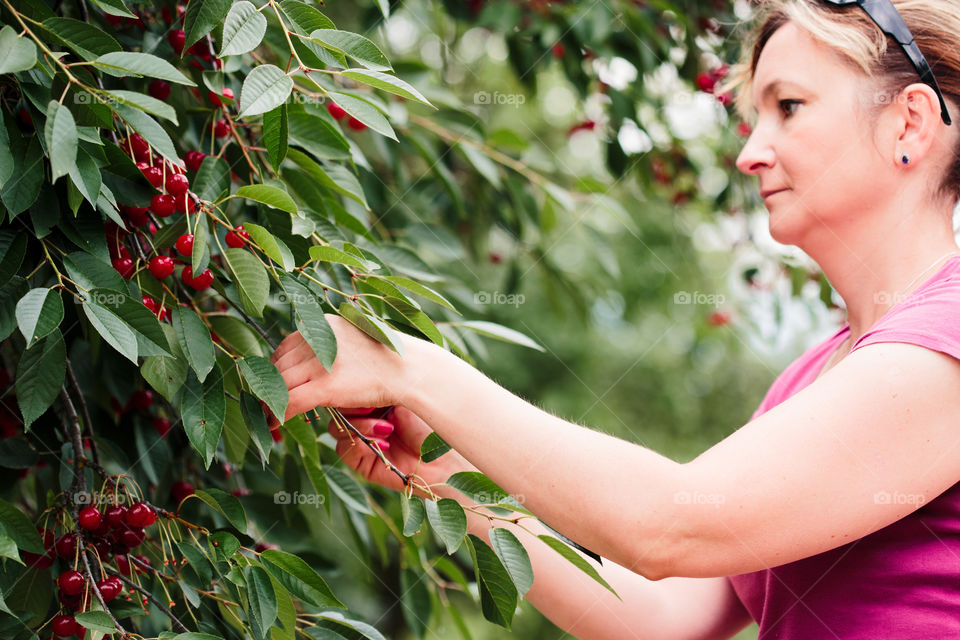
column 399, row 436
column 365, row 373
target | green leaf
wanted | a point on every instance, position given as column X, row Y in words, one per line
column 14, row 524
column 200, row 256
column 325, row 253
column 266, row 383
column 91, row 273
column 10, row 293
column 212, row 180
column 372, row 326
column 193, row 635
column 251, row 279
column 13, row 248
column 85, row 175
column 227, row 505
column 318, row 136
column 236, row 438
column 514, row 557
column 265, row 88
column 353, row 45
column 276, row 134
column 481, row 488
column 38, row 313
column 413, row 512
column 243, row 29
column 432, row 447
column 268, row 195
column 23, row 187
column 236, row 333
column 131, row 63
column 203, row 408
column 364, row 112
column 335, row 177
column 576, row 559
column 151, row 131
column 40, row 374
column 299, row 578
column 499, row 332
column 114, row 330
column 388, row 83
column 263, row 600
column 114, row 8
column 448, row 520
column 275, row 249
column 151, row 340
column 348, row 490
column 333, row 626
column 16, row 53
column 165, row 374
column 311, row 321
column 195, row 340
column 6, row 155
column 498, row 595
column 416, row 602
column 85, row 39
column 145, row 103
column 202, row 17
column 257, row 421
column 96, row 620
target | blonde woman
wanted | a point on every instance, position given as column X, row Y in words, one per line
column 834, row 512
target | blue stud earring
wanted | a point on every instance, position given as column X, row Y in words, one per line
column 905, row 159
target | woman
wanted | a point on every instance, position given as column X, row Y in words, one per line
column 835, row 512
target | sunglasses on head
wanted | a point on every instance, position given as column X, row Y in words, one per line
column 891, row 23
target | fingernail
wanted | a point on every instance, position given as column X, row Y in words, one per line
column 382, row 429
column 383, row 444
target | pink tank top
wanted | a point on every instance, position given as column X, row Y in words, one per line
column 903, row 581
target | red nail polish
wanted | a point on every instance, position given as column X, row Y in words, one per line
column 382, row 429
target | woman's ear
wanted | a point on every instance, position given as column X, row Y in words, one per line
column 918, row 123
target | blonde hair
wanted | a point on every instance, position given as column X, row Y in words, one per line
column 851, row 33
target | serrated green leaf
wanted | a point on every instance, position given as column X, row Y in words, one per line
column 263, row 600
column 114, row 8
column 432, row 447
column 145, row 103
column 275, row 249
column 416, row 601
column 319, row 137
column 85, row 39
column 195, row 340
column 96, row 621
column 515, row 558
column 364, row 112
column 311, row 321
column 499, row 332
column 276, row 134
column 413, row 512
column 202, row 17
column 498, row 595
column 576, row 559
column 348, row 490
column 237, row 334
column 15, row 524
column 114, row 330
column 131, row 63
column 266, row 383
column 212, row 180
column 353, row 45
column 243, row 29
column 257, row 422
column 334, row 177
column 265, row 88
column 203, row 409
column 391, row 84
column 372, row 326
column 299, row 578
column 16, row 53
column 448, row 520
column 165, row 374
column 22, row 188
column 227, row 505
column 268, row 195
column 250, row 278
column 325, row 253
column 40, row 374
column 38, row 313
column 147, row 127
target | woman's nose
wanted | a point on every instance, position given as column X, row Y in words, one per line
column 756, row 154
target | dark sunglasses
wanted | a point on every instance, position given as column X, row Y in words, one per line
column 891, row 23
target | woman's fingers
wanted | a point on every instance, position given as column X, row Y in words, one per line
column 370, row 427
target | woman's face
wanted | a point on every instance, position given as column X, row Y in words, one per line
column 811, row 142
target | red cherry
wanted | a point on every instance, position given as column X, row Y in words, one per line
column 141, row 150
column 162, row 425
column 200, row 282
column 336, row 111
column 185, row 244
column 221, row 129
column 123, row 564
column 237, row 238
column 64, row 625
column 40, row 561
column 89, row 518
column 177, row 38
column 66, row 546
column 185, row 204
column 150, row 303
column 109, row 588
column 143, row 560
column 159, row 89
column 115, row 515
column 194, row 159
column 181, row 490
column 143, row 398
column 161, row 267
column 154, row 176
column 71, row 602
column 276, row 434
column 706, row 82
column 71, row 582
column 178, row 184
column 719, row 318
column 355, row 124
column 140, row 515
column 215, row 99
column 163, row 204
column 131, row 537
column 124, row 266
column 559, row 50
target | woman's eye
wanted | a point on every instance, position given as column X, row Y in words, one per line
column 786, row 106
